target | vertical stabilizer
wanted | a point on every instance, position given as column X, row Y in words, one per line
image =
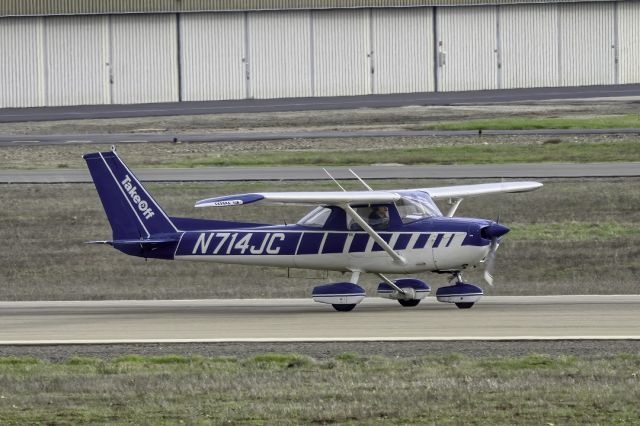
column 131, row 210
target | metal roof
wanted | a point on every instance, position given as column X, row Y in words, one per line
column 89, row 7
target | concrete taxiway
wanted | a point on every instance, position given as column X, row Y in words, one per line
column 227, row 174
column 302, row 320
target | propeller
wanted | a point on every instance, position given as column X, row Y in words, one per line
column 490, row 261
column 493, row 232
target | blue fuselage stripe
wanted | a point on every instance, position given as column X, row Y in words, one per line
column 310, row 243
column 402, row 242
column 421, row 242
column 359, row 243
column 276, row 242
column 438, row 240
column 334, row 242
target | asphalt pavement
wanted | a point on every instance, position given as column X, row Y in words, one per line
column 9, row 115
column 375, row 172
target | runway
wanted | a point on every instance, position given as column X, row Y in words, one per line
column 9, row 115
column 495, row 318
column 375, row 172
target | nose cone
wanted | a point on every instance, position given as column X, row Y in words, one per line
column 495, row 230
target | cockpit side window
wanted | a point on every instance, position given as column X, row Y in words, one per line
column 376, row 216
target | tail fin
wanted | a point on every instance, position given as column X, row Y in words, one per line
column 131, row 210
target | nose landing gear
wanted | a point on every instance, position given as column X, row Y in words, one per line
column 464, row 295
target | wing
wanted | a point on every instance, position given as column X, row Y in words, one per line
column 464, row 191
column 312, row 198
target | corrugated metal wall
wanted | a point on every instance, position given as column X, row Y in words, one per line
column 144, row 59
column 201, row 56
column 529, row 58
column 341, row 46
column 72, row 7
column 629, row 42
column 76, row 52
column 587, row 44
column 213, row 56
column 467, row 48
column 402, row 58
column 21, row 69
column 280, row 51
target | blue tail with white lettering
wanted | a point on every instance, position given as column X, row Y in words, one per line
column 131, row 210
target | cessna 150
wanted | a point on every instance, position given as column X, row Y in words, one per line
column 379, row 232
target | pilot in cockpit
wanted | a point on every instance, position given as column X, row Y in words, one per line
column 379, row 217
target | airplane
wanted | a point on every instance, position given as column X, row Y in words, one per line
column 379, row 232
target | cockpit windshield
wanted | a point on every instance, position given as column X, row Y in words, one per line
column 316, row 218
column 416, row 205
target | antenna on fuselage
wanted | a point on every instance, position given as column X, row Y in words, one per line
column 333, row 179
column 361, row 181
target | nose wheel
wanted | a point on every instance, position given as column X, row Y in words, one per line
column 344, row 307
column 464, row 305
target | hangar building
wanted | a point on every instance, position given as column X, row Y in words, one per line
column 76, row 52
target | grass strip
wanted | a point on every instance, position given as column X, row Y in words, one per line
column 554, row 151
column 524, row 123
column 573, row 231
column 297, row 389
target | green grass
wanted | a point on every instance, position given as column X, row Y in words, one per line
column 522, row 123
column 479, row 153
column 280, row 389
column 574, row 231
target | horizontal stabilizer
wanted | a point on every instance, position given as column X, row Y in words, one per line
column 147, row 242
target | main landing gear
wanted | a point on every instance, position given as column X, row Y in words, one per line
column 464, row 295
column 408, row 292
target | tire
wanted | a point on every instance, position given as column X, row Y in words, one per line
column 464, row 305
column 343, row 307
column 409, row 303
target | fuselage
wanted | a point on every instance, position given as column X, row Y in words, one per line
column 434, row 244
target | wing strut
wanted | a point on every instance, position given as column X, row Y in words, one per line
column 377, row 238
column 333, row 179
column 361, row 181
column 454, row 206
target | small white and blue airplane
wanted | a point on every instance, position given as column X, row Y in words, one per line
column 379, row 232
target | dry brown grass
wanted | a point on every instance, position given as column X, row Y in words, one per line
column 43, row 228
column 410, row 150
column 349, row 389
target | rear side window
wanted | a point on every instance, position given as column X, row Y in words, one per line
column 316, row 218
